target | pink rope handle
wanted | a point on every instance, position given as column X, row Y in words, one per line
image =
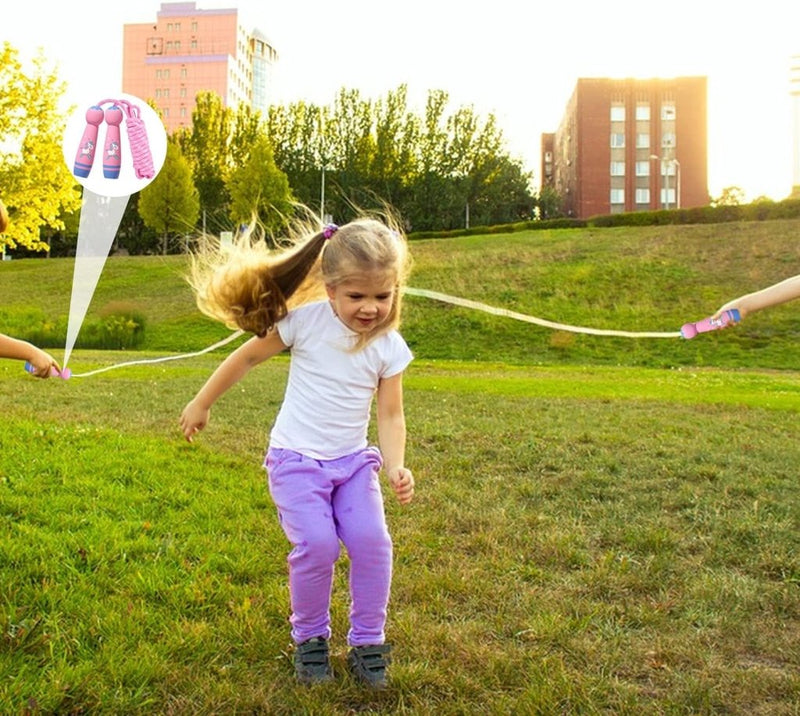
column 137, row 137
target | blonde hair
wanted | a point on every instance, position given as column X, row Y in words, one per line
column 3, row 218
column 251, row 286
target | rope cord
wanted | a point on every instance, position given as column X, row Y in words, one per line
column 423, row 293
column 475, row 305
column 218, row 344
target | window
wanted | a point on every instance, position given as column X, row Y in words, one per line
column 184, row 73
column 668, row 139
column 617, row 196
column 617, row 139
column 642, row 169
column 617, row 112
column 667, row 111
column 670, row 196
column 194, row 44
column 642, row 140
column 194, row 27
column 643, row 196
column 643, row 112
column 617, row 169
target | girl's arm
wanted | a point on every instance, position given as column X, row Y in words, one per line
column 22, row 350
column 195, row 415
column 392, row 437
column 771, row 296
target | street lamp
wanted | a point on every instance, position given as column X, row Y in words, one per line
column 665, row 187
column 665, row 164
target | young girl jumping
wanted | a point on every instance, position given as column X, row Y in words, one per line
column 323, row 475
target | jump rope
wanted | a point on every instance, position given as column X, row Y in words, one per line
column 119, row 110
column 687, row 331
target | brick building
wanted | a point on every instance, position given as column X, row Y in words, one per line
column 629, row 145
column 187, row 50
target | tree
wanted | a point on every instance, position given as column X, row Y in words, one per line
column 206, row 146
column 37, row 187
column 170, row 204
column 549, row 203
column 258, row 189
column 731, row 196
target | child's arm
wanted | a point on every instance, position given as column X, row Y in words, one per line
column 195, row 415
column 771, row 296
column 22, row 350
column 392, row 437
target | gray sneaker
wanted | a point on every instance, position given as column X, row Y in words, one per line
column 368, row 664
column 311, row 663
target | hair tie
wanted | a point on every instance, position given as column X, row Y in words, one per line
column 329, row 230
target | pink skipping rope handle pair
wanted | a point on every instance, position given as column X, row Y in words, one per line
column 112, row 149
column 65, row 373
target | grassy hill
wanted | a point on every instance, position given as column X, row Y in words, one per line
column 628, row 278
column 585, row 539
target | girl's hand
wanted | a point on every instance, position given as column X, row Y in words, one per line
column 193, row 419
column 43, row 363
column 402, row 482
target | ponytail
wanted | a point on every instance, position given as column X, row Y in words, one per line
column 247, row 286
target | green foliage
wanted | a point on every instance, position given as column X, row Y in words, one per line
column 430, row 167
column 258, row 189
column 35, row 184
column 170, row 204
column 118, row 326
column 720, row 213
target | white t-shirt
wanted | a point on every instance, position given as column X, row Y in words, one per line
column 326, row 410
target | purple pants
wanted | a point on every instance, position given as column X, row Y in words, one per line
column 321, row 502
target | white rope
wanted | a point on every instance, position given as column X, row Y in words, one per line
column 466, row 303
column 218, row 344
column 423, row 293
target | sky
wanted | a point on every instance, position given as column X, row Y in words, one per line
column 518, row 60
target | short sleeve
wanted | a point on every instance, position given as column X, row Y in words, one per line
column 398, row 356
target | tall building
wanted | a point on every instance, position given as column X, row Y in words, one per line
column 188, row 50
column 794, row 90
column 630, row 145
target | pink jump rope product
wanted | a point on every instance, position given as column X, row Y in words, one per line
column 690, row 330
column 112, row 150
column 66, row 373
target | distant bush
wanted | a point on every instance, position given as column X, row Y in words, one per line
column 762, row 210
column 119, row 326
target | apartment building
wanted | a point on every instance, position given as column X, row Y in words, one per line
column 187, row 50
column 630, row 145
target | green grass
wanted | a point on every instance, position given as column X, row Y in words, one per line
column 634, row 279
column 591, row 534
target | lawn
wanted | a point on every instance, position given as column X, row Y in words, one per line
column 596, row 530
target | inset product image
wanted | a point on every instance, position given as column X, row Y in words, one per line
column 130, row 158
